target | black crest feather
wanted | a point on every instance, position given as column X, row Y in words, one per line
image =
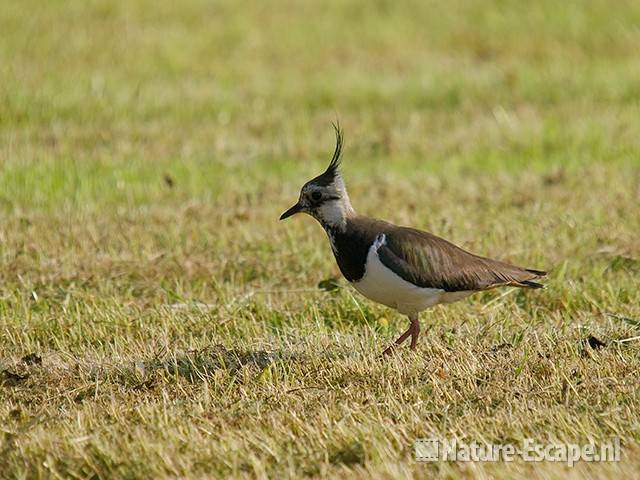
column 337, row 153
column 329, row 175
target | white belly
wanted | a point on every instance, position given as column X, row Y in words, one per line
column 382, row 285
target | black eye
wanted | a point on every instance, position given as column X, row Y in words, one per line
column 316, row 196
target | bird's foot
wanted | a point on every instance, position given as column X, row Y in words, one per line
column 389, row 350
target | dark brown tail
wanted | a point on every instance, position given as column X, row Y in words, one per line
column 529, row 283
column 539, row 273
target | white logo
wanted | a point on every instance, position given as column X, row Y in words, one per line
column 530, row 450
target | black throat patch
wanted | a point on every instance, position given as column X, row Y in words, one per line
column 351, row 247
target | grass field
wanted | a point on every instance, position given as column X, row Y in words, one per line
column 156, row 320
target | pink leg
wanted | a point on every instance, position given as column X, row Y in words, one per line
column 413, row 330
column 415, row 324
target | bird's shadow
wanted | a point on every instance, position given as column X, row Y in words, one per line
column 197, row 365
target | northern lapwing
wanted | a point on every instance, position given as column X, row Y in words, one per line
column 401, row 267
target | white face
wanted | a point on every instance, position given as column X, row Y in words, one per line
column 329, row 204
column 325, row 197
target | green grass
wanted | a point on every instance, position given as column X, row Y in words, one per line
column 146, row 152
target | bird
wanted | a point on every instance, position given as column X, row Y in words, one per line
column 404, row 268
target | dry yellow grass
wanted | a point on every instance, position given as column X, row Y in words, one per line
column 157, row 321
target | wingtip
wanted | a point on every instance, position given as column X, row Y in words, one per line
column 539, row 273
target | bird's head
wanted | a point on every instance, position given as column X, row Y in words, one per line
column 325, row 197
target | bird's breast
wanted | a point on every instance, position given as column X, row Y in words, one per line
column 350, row 251
column 380, row 284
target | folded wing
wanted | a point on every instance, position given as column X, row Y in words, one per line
column 432, row 262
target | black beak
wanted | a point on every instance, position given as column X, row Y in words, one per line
column 292, row 211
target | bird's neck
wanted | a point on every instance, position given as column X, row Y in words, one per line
column 333, row 215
